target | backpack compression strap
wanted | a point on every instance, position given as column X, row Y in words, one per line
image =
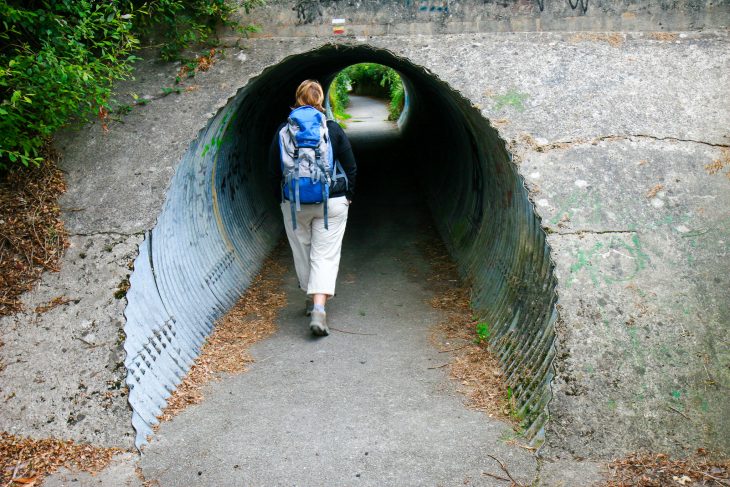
column 339, row 173
column 325, row 200
column 293, row 181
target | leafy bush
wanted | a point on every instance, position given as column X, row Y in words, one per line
column 367, row 79
column 339, row 96
column 180, row 24
column 392, row 82
column 60, row 58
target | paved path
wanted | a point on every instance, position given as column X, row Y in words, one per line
column 369, row 115
column 347, row 409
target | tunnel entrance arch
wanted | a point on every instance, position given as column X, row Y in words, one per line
column 219, row 221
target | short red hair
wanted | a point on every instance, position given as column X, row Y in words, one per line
column 310, row 93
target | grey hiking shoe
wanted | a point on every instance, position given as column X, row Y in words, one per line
column 308, row 306
column 318, row 325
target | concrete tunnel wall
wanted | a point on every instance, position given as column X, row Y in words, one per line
column 219, row 221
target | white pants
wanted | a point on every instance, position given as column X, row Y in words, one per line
column 316, row 250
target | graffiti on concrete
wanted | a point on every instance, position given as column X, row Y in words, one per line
column 583, row 5
column 520, row 4
column 433, row 6
column 309, row 10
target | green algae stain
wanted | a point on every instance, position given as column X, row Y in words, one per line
column 579, row 199
column 583, row 260
column 599, row 272
column 228, row 136
column 460, row 230
column 512, row 98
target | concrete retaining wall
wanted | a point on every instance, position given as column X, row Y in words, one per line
column 425, row 17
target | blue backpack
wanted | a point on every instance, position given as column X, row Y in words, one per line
column 307, row 163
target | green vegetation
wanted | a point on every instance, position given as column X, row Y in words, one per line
column 482, row 331
column 369, row 79
column 180, row 24
column 339, row 97
column 512, row 98
column 519, row 416
column 60, row 58
column 512, row 435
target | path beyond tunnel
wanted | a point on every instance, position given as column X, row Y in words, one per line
column 219, row 222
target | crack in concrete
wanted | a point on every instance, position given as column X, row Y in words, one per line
column 676, row 139
column 550, row 231
column 530, row 141
column 104, row 232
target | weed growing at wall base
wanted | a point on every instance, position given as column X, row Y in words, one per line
column 482, row 331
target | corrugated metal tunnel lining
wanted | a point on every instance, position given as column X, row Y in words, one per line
column 220, row 220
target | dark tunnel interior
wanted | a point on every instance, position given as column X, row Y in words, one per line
column 462, row 172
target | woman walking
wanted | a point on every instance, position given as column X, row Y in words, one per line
column 312, row 162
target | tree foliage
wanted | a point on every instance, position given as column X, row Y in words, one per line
column 370, row 79
column 179, row 24
column 339, row 96
column 60, row 58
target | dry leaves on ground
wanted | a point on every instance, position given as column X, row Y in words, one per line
column 720, row 163
column 482, row 381
column 53, row 303
column 658, row 470
column 664, row 36
column 251, row 319
column 145, row 483
column 654, row 190
column 614, row 40
column 32, row 236
column 26, row 462
column 473, row 364
column 202, row 63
